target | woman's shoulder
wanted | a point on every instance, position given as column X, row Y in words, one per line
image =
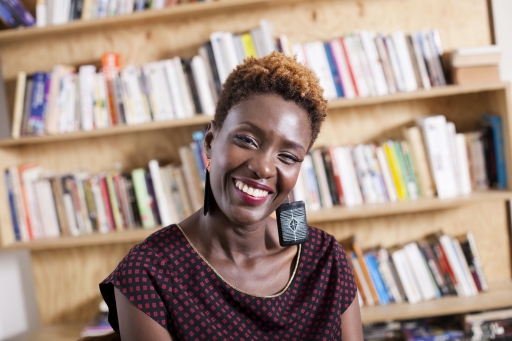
column 322, row 244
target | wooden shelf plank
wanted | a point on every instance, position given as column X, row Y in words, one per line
column 499, row 296
column 334, row 214
column 450, row 90
column 181, row 11
column 338, row 213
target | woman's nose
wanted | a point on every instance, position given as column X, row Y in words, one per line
column 263, row 164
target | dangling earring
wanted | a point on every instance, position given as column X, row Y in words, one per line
column 291, row 223
column 208, row 195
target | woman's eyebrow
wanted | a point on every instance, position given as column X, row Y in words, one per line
column 287, row 143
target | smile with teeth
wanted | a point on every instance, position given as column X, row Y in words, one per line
column 254, row 192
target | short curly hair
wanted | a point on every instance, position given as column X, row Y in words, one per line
column 274, row 74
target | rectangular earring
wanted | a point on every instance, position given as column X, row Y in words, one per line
column 291, row 223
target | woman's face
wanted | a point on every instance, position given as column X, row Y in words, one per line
column 256, row 156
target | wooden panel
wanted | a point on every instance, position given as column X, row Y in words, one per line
column 67, row 280
column 148, row 41
column 61, row 332
column 487, row 221
column 499, row 296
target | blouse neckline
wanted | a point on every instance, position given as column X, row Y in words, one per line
column 292, row 277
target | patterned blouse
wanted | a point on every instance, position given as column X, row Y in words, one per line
column 167, row 278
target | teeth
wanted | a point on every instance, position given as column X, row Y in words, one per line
column 250, row 190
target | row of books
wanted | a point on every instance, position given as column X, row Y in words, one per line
column 64, row 100
column 44, row 205
column 431, row 158
column 57, row 12
column 365, row 63
column 435, row 266
column 14, row 14
column 490, row 325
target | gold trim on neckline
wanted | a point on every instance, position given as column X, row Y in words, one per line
column 237, row 289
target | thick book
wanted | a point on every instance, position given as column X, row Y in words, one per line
column 373, row 267
column 161, row 198
column 47, row 208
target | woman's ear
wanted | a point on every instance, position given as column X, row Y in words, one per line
column 209, row 138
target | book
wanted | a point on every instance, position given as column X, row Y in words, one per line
column 5, row 118
column 476, row 75
column 12, row 205
column 19, row 100
column 475, row 56
column 142, row 196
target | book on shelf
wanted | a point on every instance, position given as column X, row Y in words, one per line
column 5, row 117
column 435, row 266
column 14, row 14
column 432, row 159
column 489, row 325
column 47, row 205
column 359, row 64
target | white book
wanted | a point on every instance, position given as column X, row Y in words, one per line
column 285, row 45
column 46, row 205
column 299, row 190
column 363, row 174
column 387, row 275
column 355, row 66
column 477, row 261
column 351, row 191
column 395, row 63
column 161, row 200
column 315, row 53
column 86, row 81
column 101, row 110
column 64, row 98
column 70, row 106
column 21, row 214
column 456, row 265
column 229, row 52
column 41, row 13
column 267, row 34
column 239, row 48
column 322, row 179
column 421, row 272
column 174, row 89
column 60, row 11
column 161, row 107
column 311, row 187
column 74, row 230
column 167, row 184
column 374, row 62
column 406, row 277
column 259, row 45
column 342, row 67
column 298, row 50
column 465, row 268
column 80, row 177
column 439, row 153
column 451, row 132
column 163, row 90
column 404, row 60
column 203, row 88
column 386, row 174
column 376, row 173
column 420, row 61
column 183, row 88
column 28, row 177
column 365, row 67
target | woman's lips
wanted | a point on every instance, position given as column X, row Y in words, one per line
column 250, row 192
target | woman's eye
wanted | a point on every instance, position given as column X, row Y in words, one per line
column 289, row 159
column 246, row 139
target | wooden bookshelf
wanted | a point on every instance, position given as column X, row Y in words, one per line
column 498, row 296
column 436, row 92
column 338, row 213
column 67, row 270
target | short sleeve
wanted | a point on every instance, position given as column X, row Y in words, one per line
column 345, row 279
column 143, row 278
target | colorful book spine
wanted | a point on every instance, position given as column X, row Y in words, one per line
column 12, row 205
column 141, row 194
column 35, row 124
column 7, row 17
column 373, row 267
column 20, row 12
column 334, row 71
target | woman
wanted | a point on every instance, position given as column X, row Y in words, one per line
column 221, row 274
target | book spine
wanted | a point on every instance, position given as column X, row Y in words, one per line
column 20, row 12
column 335, row 75
column 7, row 17
column 107, row 204
column 499, row 150
column 163, row 205
column 35, row 124
column 141, row 194
column 114, row 202
column 373, row 267
column 12, row 205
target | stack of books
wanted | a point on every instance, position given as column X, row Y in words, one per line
column 45, row 205
column 432, row 158
column 14, row 14
column 491, row 325
column 360, row 64
column 435, row 266
column 475, row 65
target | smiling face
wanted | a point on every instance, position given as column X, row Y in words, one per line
column 256, row 156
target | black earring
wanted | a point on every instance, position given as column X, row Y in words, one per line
column 208, row 195
column 291, row 223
